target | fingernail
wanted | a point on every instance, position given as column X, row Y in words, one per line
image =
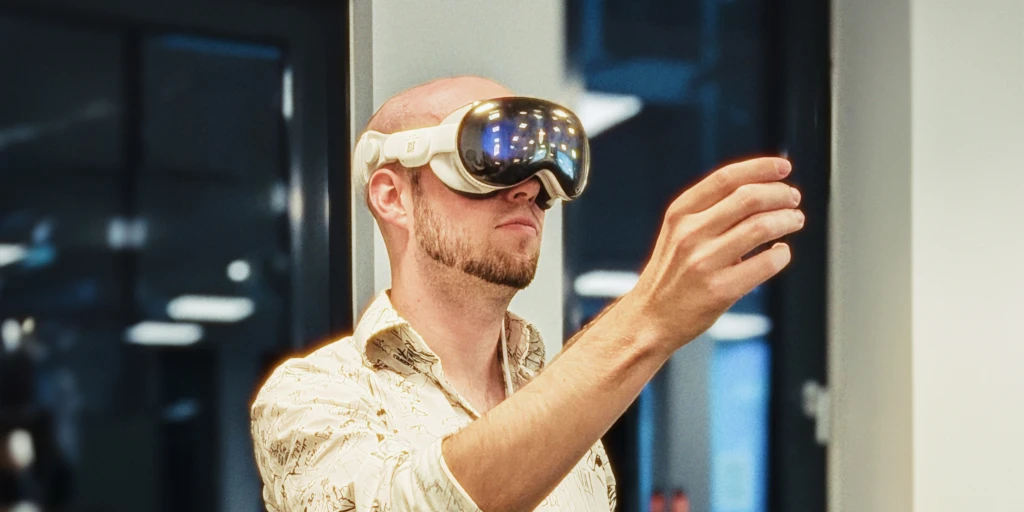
column 796, row 194
column 783, row 166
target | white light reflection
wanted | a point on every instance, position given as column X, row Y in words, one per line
column 26, row 506
column 164, row 334
column 484, row 107
column 605, row 283
column 740, row 326
column 20, row 448
column 11, row 332
column 600, row 111
column 11, row 253
column 278, row 197
column 205, row 308
column 126, row 233
column 239, row 270
column 287, row 107
column 296, row 204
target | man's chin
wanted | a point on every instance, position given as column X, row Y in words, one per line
column 514, row 285
column 516, row 276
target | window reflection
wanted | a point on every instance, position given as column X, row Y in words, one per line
column 665, row 108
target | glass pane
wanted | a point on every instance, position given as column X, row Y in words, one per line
column 213, row 203
column 144, row 263
column 699, row 432
column 62, row 109
column 212, row 106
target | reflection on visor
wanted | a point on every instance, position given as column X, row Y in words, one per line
column 506, row 141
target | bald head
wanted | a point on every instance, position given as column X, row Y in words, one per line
column 426, row 105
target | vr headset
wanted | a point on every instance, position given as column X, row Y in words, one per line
column 489, row 146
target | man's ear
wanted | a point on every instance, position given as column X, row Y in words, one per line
column 389, row 198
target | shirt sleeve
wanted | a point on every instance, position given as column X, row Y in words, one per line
column 323, row 443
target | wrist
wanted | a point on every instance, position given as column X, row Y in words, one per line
column 644, row 337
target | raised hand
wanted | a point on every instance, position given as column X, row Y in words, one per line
column 697, row 270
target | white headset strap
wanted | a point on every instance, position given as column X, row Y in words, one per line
column 412, row 148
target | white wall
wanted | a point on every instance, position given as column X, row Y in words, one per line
column 968, row 253
column 927, row 239
column 520, row 44
column 870, row 251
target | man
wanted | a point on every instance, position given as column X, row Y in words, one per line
column 437, row 401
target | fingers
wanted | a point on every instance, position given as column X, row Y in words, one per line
column 751, row 233
column 746, row 201
column 723, row 182
column 741, row 279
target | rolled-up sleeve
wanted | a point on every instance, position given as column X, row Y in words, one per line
column 323, row 442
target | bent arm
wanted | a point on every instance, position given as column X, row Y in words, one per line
column 701, row 264
column 517, row 453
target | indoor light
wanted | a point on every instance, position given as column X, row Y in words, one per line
column 164, row 333
column 205, row 308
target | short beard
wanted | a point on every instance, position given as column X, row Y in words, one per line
column 449, row 248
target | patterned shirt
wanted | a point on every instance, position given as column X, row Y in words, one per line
column 357, row 425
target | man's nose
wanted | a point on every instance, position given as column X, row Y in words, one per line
column 525, row 192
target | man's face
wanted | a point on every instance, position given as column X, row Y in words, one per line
column 496, row 239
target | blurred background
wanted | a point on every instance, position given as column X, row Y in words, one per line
column 163, row 240
column 177, row 217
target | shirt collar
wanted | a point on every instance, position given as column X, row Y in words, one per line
column 387, row 339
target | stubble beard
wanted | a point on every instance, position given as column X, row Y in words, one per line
column 445, row 245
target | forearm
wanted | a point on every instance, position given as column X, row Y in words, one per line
column 517, row 453
column 582, row 332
